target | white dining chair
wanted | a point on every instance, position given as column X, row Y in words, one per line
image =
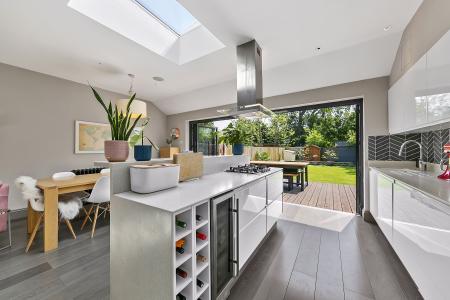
column 99, row 200
column 68, row 205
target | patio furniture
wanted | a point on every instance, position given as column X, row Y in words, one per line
column 289, row 167
column 299, row 175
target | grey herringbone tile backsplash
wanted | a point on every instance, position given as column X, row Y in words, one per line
column 386, row 147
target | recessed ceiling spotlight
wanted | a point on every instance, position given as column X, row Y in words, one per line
column 318, row 49
column 387, row 28
column 158, row 78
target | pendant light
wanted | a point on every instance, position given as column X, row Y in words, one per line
column 137, row 108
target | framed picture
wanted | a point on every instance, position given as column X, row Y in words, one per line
column 90, row 137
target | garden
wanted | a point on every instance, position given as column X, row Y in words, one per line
column 324, row 137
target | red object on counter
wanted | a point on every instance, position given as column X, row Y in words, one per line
column 446, row 174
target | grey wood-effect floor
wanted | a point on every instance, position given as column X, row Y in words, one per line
column 296, row 262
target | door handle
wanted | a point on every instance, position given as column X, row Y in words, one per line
column 235, row 259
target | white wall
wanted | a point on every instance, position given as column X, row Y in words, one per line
column 37, row 125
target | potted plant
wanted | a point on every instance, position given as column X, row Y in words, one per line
column 236, row 134
column 142, row 152
column 117, row 149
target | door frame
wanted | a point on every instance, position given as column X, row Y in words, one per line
column 359, row 103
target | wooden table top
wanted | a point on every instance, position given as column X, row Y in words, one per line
column 76, row 181
column 281, row 164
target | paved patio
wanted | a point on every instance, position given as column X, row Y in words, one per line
column 339, row 197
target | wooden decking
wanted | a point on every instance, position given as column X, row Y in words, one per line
column 338, row 197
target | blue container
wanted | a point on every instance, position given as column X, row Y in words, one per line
column 238, row 149
column 142, row 152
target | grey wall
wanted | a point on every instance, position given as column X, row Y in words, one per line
column 428, row 25
column 373, row 91
column 37, row 125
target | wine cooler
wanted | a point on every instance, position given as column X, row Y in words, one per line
column 224, row 243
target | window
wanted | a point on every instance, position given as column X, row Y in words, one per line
column 171, row 13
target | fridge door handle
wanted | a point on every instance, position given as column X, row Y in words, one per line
column 235, row 214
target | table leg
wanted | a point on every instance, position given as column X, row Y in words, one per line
column 306, row 176
column 303, row 181
column 32, row 218
column 50, row 219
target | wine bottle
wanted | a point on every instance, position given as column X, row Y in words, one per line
column 200, row 283
column 201, row 258
column 180, row 250
column 182, row 273
column 181, row 297
column 198, row 218
column 179, row 243
column 201, row 236
column 181, row 224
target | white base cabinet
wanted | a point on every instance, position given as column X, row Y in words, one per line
column 421, row 238
column 260, row 207
column 419, row 233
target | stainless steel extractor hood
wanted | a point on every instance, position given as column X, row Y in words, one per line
column 249, row 83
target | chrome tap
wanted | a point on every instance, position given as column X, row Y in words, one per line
column 422, row 164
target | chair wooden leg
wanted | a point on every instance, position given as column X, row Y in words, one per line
column 87, row 217
column 33, row 233
column 69, row 225
column 95, row 220
column 87, row 213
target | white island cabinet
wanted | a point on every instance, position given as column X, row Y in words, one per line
column 146, row 228
column 420, row 231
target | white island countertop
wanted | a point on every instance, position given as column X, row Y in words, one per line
column 189, row 193
column 425, row 182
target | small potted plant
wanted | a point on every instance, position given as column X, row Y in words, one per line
column 142, row 152
column 117, row 149
column 236, row 134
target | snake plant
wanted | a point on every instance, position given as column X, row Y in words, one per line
column 120, row 121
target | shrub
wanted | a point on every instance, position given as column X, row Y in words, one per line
column 329, row 155
column 264, row 156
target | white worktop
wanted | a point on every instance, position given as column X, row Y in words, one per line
column 189, row 193
column 425, row 182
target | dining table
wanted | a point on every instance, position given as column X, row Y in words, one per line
column 51, row 190
column 286, row 166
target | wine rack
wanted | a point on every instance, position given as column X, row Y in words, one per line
column 193, row 220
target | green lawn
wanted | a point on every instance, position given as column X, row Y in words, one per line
column 332, row 174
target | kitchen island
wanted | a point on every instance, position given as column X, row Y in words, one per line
column 144, row 257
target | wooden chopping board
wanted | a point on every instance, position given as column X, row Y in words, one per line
column 191, row 165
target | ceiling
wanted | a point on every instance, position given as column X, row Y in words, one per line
column 49, row 37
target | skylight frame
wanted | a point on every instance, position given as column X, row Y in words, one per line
column 162, row 22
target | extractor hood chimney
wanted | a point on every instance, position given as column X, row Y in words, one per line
column 249, row 83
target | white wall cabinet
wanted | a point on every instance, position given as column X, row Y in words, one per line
column 418, row 229
column 421, row 97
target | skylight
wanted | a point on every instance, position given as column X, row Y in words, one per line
column 171, row 13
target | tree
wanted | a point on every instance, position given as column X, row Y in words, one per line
column 316, row 138
column 280, row 132
column 351, row 137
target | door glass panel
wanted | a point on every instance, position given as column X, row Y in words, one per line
column 207, row 139
column 223, row 244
